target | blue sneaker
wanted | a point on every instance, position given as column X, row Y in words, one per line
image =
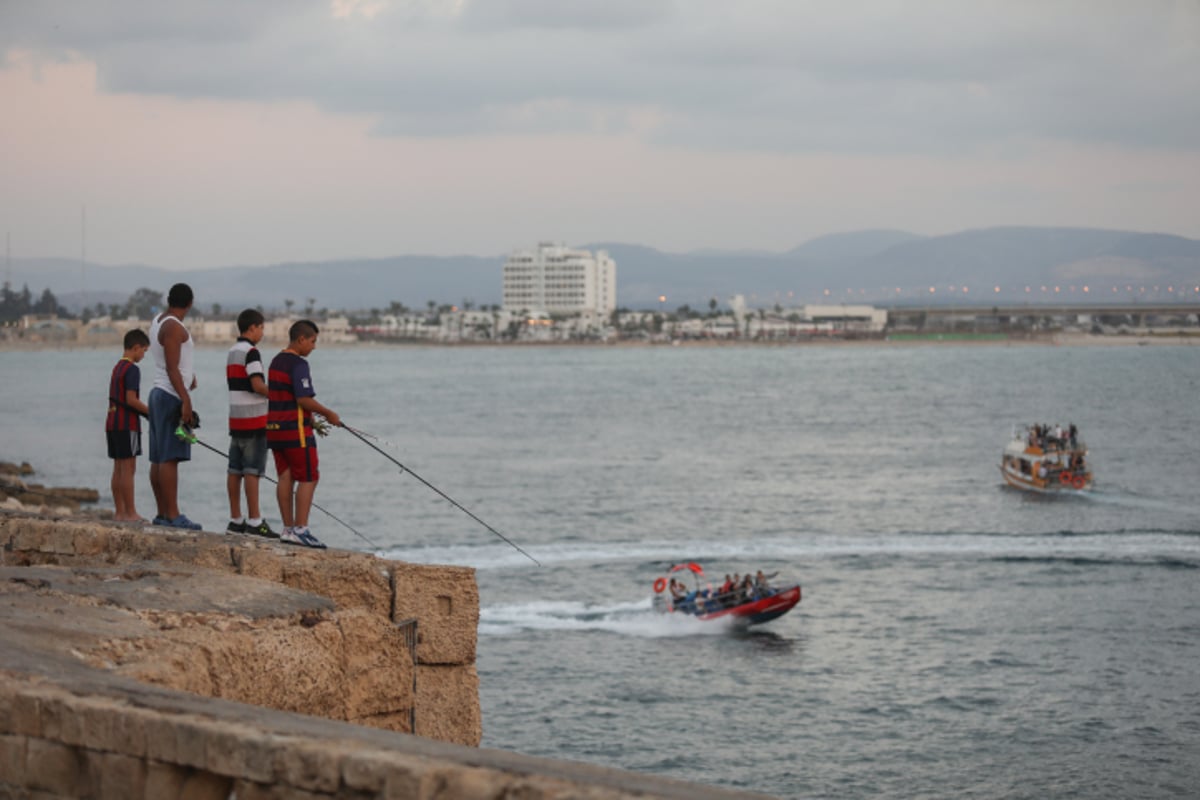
column 158, row 520
column 310, row 540
column 183, row 522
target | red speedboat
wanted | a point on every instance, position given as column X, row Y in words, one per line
column 750, row 606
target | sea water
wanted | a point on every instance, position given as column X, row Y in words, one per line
column 956, row 637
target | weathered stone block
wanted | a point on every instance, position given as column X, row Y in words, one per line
column 445, row 602
column 90, row 542
column 114, row 727
column 247, row 790
column 116, row 777
column 239, row 752
column 200, row 785
column 191, row 741
column 258, row 563
column 163, row 780
column 441, row 712
column 467, row 783
column 59, row 720
column 26, row 715
column 8, row 696
column 315, row 766
column 379, row 665
column 386, row 774
column 54, row 767
column 12, row 759
column 194, row 549
column 161, row 739
column 351, row 580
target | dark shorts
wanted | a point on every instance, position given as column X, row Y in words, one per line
column 248, row 454
column 300, row 461
column 165, row 446
column 124, row 444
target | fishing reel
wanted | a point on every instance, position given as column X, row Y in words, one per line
column 184, row 432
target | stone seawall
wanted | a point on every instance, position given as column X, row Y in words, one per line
column 139, row 662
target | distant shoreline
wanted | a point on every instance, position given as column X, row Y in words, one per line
column 930, row 340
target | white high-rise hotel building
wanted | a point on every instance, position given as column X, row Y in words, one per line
column 555, row 279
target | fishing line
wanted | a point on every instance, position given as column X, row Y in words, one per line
column 361, row 436
column 205, row 444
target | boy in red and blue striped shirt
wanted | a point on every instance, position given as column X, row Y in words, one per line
column 290, row 432
column 123, row 425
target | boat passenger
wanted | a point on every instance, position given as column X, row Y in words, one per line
column 760, row 584
column 678, row 590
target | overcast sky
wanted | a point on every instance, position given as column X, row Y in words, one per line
column 220, row 132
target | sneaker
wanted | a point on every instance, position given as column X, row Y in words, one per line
column 159, row 520
column 310, row 540
column 183, row 522
column 236, row 527
column 261, row 529
column 301, row 536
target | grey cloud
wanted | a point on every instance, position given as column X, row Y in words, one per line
column 788, row 76
column 608, row 15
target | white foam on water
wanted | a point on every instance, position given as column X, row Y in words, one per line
column 630, row 619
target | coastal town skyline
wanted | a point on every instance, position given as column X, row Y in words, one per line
column 1002, row 265
column 195, row 135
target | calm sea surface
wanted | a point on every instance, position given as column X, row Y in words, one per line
column 956, row 638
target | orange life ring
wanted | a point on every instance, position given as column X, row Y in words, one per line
column 1079, row 482
column 659, row 585
column 1064, row 476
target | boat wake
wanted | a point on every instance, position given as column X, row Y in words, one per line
column 1116, row 497
column 630, row 619
column 647, row 556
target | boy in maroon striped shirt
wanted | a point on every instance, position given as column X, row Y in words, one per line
column 292, row 402
column 123, row 425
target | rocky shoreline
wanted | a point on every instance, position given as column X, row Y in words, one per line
column 16, row 494
column 138, row 662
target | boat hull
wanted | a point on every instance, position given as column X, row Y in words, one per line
column 756, row 612
column 1029, row 484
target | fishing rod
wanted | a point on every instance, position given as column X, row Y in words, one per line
column 362, row 437
column 351, row 528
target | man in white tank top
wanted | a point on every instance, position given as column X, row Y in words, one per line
column 170, row 405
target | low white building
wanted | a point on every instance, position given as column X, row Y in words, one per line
column 558, row 280
column 848, row 317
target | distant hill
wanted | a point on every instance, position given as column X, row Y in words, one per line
column 848, row 247
column 863, row 266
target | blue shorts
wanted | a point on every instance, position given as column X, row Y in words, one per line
column 248, row 454
column 165, row 411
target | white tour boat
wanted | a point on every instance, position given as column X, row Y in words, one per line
column 1037, row 460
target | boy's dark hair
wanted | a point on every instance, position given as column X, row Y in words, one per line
column 180, row 296
column 249, row 318
column 135, row 337
column 302, row 328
